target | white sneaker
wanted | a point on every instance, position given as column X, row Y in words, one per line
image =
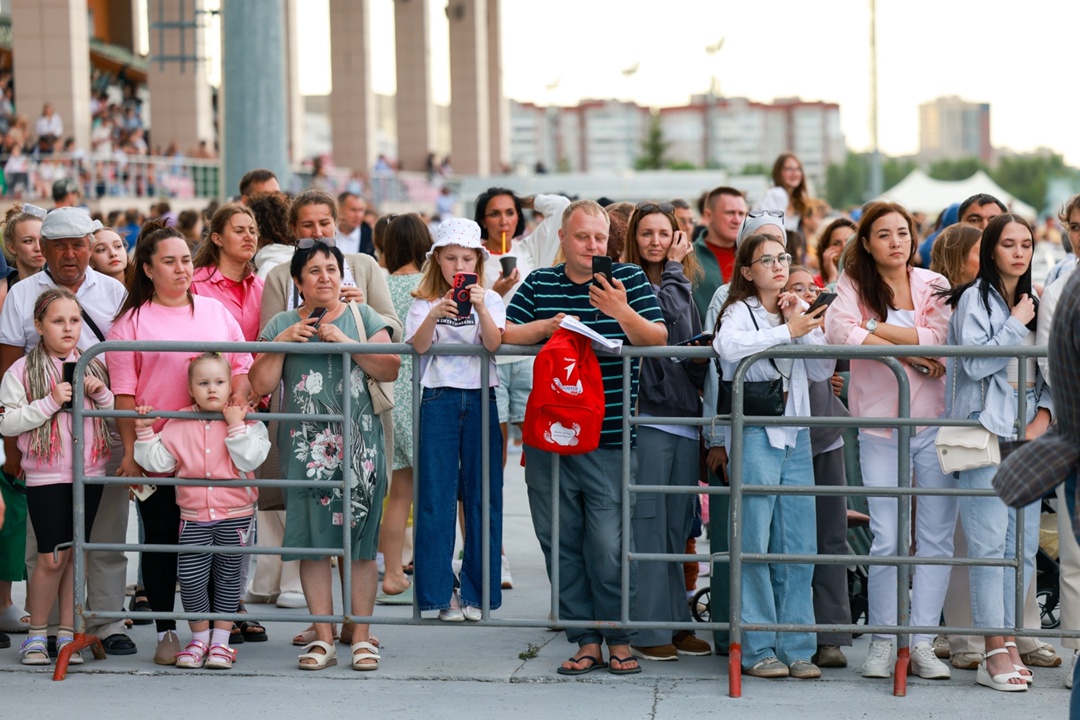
column 926, row 664
column 1072, row 670
column 472, row 614
column 507, row 578
column 291, row 600
column 878, row 660
column 452, row 613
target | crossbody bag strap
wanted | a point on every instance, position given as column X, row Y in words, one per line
column 758, row 327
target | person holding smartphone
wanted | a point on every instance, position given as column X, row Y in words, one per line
column 670, row 387
column 452, row 306
column 884, row 300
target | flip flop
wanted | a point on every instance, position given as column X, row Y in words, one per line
column 405, row 597
column 596, row 664
column 623, row 661
column 12, row 620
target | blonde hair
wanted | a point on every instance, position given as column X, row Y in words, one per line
column 432, row 283
column 950, row 250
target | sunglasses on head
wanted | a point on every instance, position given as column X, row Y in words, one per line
column 648, row 207
column 764, row 213
column 308, row 243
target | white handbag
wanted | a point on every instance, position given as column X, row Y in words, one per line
column 966, row 448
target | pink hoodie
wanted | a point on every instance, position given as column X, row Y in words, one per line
column 872, row 391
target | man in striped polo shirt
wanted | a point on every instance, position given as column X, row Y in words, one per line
column 590, row 485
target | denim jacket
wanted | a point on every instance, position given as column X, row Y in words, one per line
column 979, row 384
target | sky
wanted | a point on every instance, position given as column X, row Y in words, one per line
column 1017, row 56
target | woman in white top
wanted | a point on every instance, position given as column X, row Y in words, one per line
column 759, row 315
column 788, row 194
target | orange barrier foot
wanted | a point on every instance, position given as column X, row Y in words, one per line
column 735, row 671
column 81, row 642
column 900, row 672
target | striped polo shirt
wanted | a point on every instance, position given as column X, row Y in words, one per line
column 547, row 292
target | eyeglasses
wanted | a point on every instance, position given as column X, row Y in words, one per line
column 308, row 243
column 764, row 213
column 799, row 288
column 648, row 207
column 767, row 261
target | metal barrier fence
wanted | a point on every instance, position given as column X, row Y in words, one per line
column 140, row 176
column 736, row 489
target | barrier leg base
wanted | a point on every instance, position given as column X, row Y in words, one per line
column 81, row 642
column 735, row 670
column 900, row 672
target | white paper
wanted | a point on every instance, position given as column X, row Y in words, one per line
column 599, row 341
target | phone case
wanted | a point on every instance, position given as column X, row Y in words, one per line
column 462, row 281
column 143, row 491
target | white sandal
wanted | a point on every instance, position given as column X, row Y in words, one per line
column 364, row 651
column 1030, row 677
column 998, row 682
column 322, row 660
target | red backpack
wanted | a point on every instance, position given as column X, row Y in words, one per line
column 565, row 411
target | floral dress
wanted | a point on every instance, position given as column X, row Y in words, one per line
column 314, row 384
column 401, row 287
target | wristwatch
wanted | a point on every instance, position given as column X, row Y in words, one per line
column 871, row 325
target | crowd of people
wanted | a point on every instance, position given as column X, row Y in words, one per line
column 314, row 268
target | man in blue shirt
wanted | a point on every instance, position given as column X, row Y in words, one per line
column 590, row 485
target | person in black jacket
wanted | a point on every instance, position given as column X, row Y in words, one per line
column 669, row 388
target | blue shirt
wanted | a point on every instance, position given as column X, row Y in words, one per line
column 547, row 292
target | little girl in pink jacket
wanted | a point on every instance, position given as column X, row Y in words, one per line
column 218, row 513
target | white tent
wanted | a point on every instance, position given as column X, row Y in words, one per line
column 919, row 192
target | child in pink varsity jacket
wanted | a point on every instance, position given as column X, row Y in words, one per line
column 218, row 513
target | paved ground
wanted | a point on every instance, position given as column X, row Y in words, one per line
column 453, row 671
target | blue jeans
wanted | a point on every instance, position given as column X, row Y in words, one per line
column 780, row 592
column 990, row 529
column 590, row 536
column 450, row 469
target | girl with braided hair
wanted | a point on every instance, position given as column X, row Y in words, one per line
column 35, row 397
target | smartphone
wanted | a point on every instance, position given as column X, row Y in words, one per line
column 68, row 376
column 143, row 491
column 601, row 264
column 921, row 368
column 317, row 313
column 462, row 281
column 699, row 340
column 825, row 299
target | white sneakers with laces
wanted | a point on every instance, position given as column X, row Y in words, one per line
column 878, row 660
column 926, row 664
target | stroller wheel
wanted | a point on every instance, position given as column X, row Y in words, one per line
column 1049, row 608
column 700, row 605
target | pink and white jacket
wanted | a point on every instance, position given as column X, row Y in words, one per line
column 872, row 390
column 211, row 450
column 21, row 416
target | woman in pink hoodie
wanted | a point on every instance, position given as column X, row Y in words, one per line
column 218, row 513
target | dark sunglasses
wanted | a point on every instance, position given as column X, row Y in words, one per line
column 308, row 243
column 648, row 207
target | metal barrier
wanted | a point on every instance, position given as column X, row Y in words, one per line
column 735, row 558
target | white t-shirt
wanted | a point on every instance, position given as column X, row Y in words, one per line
column 456, row 371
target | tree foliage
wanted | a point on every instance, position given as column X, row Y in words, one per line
column 959, row 169
column 654, row 148
column 848, row 184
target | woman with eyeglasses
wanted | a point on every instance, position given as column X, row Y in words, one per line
column 789, row 194
column 312, row 218
column 758, row 315
column 315, row 384
column 883, row 300
column 669, row 387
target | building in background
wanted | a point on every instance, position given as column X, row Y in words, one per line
column 951, row 128
column 728, row 133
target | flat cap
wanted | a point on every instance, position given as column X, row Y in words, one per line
column 67, row 222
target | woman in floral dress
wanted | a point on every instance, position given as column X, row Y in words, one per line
column 314, row 384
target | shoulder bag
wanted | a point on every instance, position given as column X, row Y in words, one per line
column 966, row 448
column 761, row 397
column 382, row 393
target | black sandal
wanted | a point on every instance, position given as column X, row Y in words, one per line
column 140, row 603
column 247, row 630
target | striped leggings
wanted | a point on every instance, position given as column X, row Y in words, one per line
column 194, row 568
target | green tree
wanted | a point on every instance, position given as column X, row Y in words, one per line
column 654, row 148
column 846, row 182
column 756, row 169
column 959, row 169
column 896, row 169
column 1028, row 176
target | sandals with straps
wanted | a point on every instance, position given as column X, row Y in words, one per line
column 999, row 682
column 34, row 651
column 363, row 653
column 76, row 657
column 221, row 657
column 322, row 660
column 193, row 656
